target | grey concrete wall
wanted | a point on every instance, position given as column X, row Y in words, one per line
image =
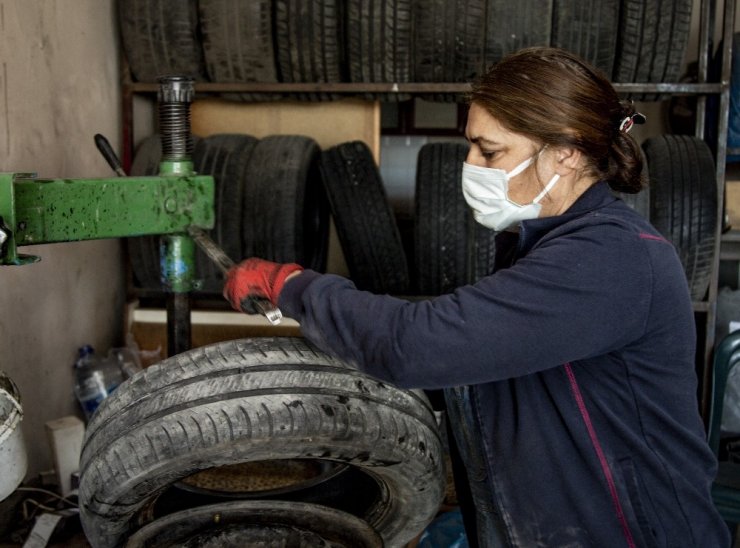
column 59, row 85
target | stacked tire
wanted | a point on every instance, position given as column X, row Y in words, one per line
column 394, row 41
column 683, row 203
column 269, row 202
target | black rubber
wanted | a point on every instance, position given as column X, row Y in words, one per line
column 251, row 400
column 161, row 38
column 225, row 157
column 258, row 524
column 640, row 201
column 448, row 42
column 683, row 202
column 451, row 249
column 285, row 212
column 365, row 222
column 237, row 44
column 511, row 26
column 309, row 43
column 588, row 29
column 653, row 37
column 379, row 43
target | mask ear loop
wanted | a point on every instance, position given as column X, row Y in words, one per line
column 551, row 183
column 521, row 167
column 548, row 188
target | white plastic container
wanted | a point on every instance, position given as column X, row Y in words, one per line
column 13, row 456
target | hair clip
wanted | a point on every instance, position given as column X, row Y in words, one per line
column 629, row 121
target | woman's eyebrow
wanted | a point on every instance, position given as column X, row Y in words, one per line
column 482, row 141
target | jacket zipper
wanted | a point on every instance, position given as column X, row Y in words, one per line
column 600, row 454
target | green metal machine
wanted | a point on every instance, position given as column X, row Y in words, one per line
column 40, row 211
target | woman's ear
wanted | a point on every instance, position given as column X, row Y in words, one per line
column 567, row 160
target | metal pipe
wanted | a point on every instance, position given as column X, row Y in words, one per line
column 177, row 251
column 179, row 331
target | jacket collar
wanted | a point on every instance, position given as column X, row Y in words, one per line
column 596, row 196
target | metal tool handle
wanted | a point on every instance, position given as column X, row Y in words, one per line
column 210, row 248
column 109, row 154
column 216, row 254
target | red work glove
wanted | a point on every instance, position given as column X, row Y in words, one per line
column 256, row 278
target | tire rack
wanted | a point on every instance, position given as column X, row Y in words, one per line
column 705, row 311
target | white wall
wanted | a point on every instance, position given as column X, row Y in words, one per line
column 59, row 85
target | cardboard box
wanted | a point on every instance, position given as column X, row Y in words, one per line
column 732, row 195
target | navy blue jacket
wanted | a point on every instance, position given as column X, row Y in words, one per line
column 579, row 403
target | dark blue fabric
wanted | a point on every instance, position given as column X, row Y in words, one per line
column 598, row 288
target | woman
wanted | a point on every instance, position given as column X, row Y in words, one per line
column 569, row 371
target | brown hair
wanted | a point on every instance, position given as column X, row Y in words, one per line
column 553, row 96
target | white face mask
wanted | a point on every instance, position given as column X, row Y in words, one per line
column 486, row 191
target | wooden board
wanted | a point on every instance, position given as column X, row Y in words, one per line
column 149, row 329
column 328, row 122
column 732, row 195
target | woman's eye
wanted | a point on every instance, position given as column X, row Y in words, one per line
column 488, row 154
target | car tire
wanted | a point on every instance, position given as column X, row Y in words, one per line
column 683, row 202
column 588, row 29
column 237, row 44
column 653, row 36
column 161, row 38
column 285, row 210
column 365, row 222
column 451, row 248
column 258, row 524
column 252, row 400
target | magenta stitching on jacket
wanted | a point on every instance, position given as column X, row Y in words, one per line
column 646, row 236
column 600, row 454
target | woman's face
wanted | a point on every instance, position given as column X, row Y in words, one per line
column 492, row 145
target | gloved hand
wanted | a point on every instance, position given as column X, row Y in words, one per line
column 256, row 278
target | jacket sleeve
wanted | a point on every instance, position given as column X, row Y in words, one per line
column 578, row 295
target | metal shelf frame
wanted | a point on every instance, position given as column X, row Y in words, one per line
column 702, row 89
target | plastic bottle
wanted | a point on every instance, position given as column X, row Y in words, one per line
column 127, row 360
column 95, row 379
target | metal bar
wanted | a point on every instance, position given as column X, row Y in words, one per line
column 720, row 163
column 209, row 247
column 127, row 144
column 179, row 327
column 62, row 210
column 224, row 263
column 178, row 271
column 705, row 41
column 178, row 251
column 127, row 114
column 408, row 87
column 7, row 217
